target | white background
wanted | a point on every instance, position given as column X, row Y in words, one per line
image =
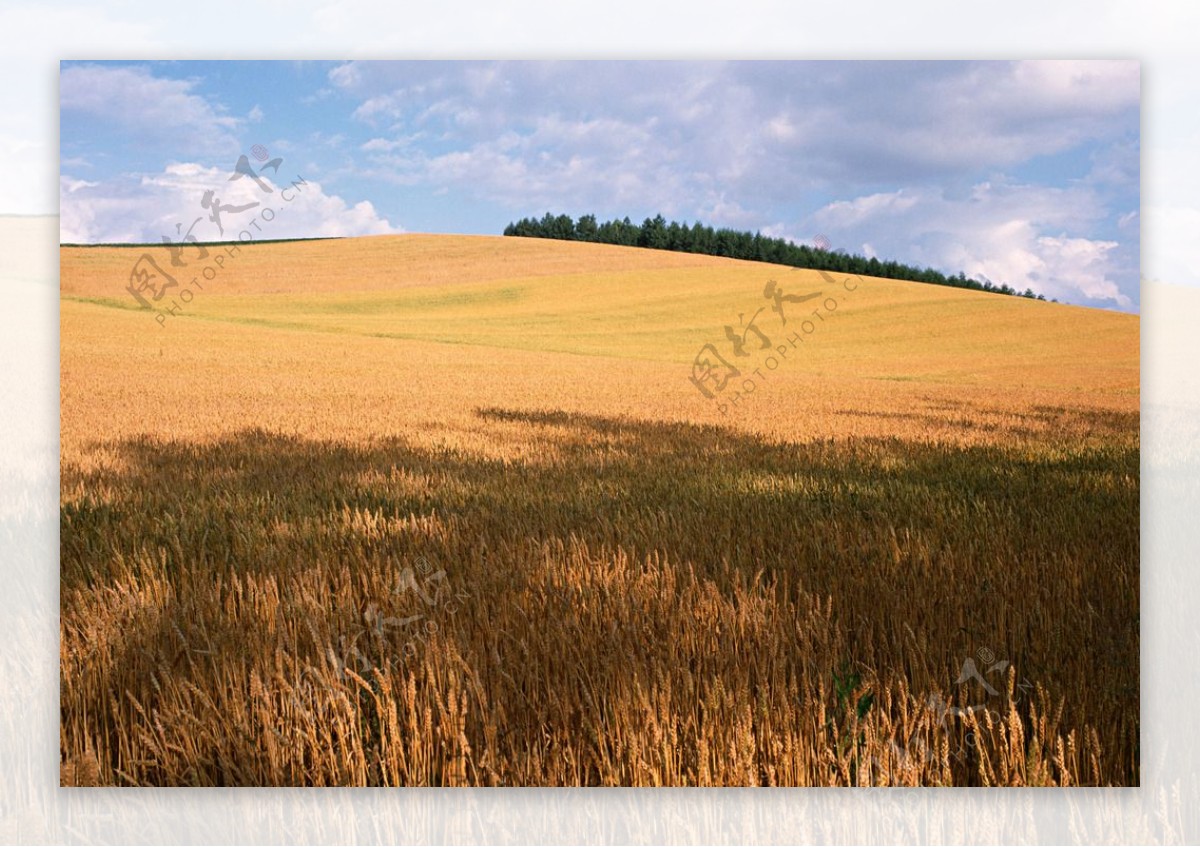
column 32, row 40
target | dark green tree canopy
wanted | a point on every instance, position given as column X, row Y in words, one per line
column 658, row 234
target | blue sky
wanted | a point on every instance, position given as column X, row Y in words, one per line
column 1021, row 172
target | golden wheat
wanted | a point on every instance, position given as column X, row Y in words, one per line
column 301, row 548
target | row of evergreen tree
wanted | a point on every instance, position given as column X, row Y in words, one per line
column 658, row 234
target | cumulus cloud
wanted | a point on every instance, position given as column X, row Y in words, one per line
column 1081, row 264
column 1026, row 236
column 171, row 203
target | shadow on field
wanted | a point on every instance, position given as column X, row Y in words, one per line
column 1036, row 422
column 929, row 553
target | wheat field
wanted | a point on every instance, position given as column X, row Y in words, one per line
column 448, row 510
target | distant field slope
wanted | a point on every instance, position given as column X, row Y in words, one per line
column 541, row 295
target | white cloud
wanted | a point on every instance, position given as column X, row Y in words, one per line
column 781, row 230
column 1082, row 264
column 142, row 104
column 70, row 186
column 1024, row 236
column 720, row 211
column 384, row 105
column 346, row 75
column 760, row 133
column 848, row 213
column 383, row 145
column 146, row 208
column 871, row 123
column 781, row 128
column 601, row 162
column 1072, row 85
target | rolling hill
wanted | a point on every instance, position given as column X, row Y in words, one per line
column 661, row 572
